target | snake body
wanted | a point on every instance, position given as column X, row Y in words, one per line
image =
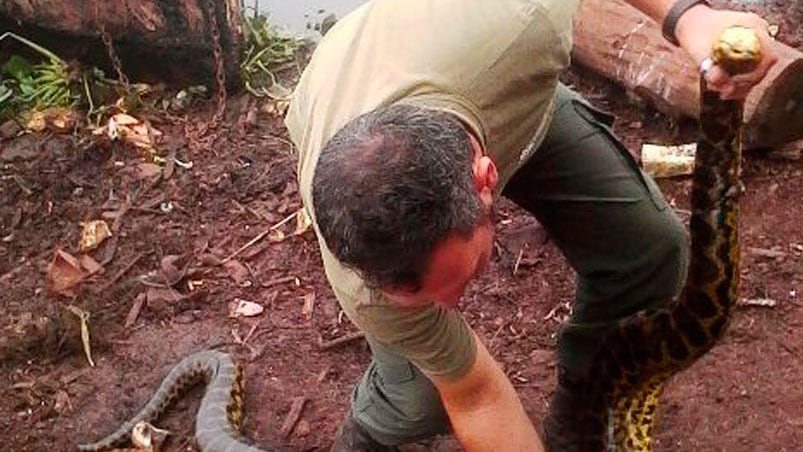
column 218, row 421
column 621, row 392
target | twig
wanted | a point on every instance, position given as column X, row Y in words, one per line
column 277, row 281
column 131, row 318
column 293, row 416
column 120, row 274
column 328, row 345
column 251, row 332
column 130, row 201
column 259, row 237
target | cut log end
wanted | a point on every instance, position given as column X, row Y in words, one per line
column 778, row 115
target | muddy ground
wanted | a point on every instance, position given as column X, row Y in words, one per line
column 168, row 256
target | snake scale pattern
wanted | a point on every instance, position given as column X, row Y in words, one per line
column 622, row 391
column 217, row 424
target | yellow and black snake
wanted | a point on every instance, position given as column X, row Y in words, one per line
column 622, row 391
column 218, row 421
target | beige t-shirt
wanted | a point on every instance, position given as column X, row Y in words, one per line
column 494, row 64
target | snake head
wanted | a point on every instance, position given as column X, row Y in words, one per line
column 738, row 50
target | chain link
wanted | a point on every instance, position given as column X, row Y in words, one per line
column 220, row 70
column 197, row 136
column 110, row 50
column 204, row 136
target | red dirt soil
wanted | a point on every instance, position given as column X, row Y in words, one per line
column 747, row 394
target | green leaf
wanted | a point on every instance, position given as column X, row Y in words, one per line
column 17, row 67
column 5, row 94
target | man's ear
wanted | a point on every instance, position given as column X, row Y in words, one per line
column 486, row 175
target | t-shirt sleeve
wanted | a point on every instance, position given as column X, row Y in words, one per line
column 437, row 340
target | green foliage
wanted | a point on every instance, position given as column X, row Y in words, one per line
column 49, row 83
column 265, row 52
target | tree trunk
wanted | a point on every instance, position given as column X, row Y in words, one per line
column 618, row 41
column 168, row 40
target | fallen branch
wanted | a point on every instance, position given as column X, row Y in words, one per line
column 119, row 274
column 293, row 416
column 111, row 246
column 259, row 237
column 334, row 343
column 277, row 281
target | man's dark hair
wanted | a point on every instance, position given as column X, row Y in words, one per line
column 390, row 185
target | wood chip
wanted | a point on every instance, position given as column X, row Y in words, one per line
column 770, row 254
column 90, row 265
column 334, row 343
column 133, row 313
column 759, row 302
column 64, row 273
column 309, row 305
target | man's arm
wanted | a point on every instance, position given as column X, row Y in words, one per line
column 484, row 409
column 699, row 27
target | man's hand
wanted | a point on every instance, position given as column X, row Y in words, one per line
column 485, row 411
column 700, row 27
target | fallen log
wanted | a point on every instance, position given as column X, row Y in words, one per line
column 167, row 41
column 618, row 41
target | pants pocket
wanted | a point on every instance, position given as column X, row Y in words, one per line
column 603, row 121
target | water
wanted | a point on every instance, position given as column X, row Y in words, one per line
column 299, row 17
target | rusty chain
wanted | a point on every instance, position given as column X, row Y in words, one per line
column 197, row 137
column 110, row 50
column 220, row 71
column 201, row 138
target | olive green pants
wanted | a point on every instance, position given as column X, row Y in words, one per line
column 613, row 225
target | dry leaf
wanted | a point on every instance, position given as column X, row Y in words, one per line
column 90, row 265
column 131, row 130
column 159, row 298
column 56, row 119
column 148, row 170
column 36, row 123
column 309, row 305
column 147, row 437
column 244, row 308
column 124, row 119
column 64, row 273
column 303, row 222
column 84, row 317
column 93, row 234
column 276, row 236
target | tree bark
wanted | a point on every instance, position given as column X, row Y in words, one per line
column 619, row 42
column 149, row 35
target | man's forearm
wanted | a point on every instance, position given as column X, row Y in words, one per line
column 485, row 411
column 501, row 425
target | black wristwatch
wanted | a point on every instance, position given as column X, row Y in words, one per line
column 672, row 17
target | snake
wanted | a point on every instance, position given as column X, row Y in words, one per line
column 621, row 392
column 219, row 417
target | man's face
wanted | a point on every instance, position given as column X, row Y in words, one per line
column 455, row 261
